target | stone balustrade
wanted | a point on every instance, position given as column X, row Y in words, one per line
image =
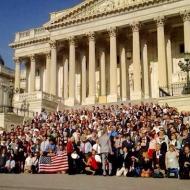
column 30, row 34
column 38, row 95
column 6, row 71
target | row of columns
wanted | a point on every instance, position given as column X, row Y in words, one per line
column 69, row 65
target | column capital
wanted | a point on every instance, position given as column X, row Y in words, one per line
column 160, row 20
column 185, row 15
column 135, row 26
column 71, row 40
column 16, row 60
column 53, row 44
column 32, row 57
column 48, row 54
column 91, row 36
column 112, row 31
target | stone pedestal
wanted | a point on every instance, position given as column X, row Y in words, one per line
column 136, row 95
column 123, row 99
column 102, row 99
column 70, row 102
column 112, row 98
column 90, row 100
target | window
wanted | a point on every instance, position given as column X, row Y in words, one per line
column 181, row 48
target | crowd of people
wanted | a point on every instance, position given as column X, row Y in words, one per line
column 145, row 140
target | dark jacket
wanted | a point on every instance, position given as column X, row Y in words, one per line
column 159, row 159
column 125, row 160
column 146, row 165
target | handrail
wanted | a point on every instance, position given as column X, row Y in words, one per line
column 163, row 92
column 175, row 89
column 11, row 109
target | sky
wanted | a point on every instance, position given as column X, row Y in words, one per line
column 21, row 15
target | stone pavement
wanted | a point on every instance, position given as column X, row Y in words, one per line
column 82, row 182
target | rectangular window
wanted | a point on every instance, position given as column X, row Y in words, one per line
column 181, row 48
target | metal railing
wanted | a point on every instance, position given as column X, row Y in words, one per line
column 175, row 89
column 18, row 111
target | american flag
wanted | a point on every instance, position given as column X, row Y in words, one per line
column 53, row 164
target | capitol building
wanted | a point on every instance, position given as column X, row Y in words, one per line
column 104, row 51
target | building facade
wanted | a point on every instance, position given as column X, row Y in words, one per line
column 6, row 86
column 103, row 51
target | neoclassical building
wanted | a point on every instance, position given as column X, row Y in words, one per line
column 6, row 86
column 103, row 51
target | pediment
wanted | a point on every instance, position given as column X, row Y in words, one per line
column 95, row 7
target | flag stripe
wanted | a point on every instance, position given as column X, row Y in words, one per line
column 54, row 164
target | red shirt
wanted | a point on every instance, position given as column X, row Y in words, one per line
column 92, row 163
column 69, row 147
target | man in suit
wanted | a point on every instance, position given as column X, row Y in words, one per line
column 124, row 163
column 159, row 161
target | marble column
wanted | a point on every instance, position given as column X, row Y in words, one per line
column 32, row 73
column 42, row 73
column 102, row 58
column 145, row 67
column 169, row 58
column 113, row 65
column 65, row 77
column 48, row 69
column 17, row 74
column 137, row 91
column 84, row 74
column 186, row 20
column 1, row 93
column 53, row 71
column 103, row 71
column 123, row 72
column 27, row 67
column 162, row 66
column 92, row 69
column 72, row 78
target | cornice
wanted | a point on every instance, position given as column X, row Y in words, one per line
column 29, row 42
column 65, row 21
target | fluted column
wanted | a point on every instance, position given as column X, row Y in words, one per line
column 169, row 58
column 17, row 74
column 186, row 20
column 103, row 71
column 48, row 69
column 113, row 65
column 137, row 93
column 145, row 67
column 66, row 77
column 71, row 71
column 27, row 67
column 162, row 66
column 123, row 73
column 84, row 73
column 53, row 72
column 92, row 69
column 32, row 73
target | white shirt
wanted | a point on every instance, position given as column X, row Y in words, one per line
column 96, row 147
column 10, row 164
column 43, row 145
column 28, row 161
column 172, row 160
